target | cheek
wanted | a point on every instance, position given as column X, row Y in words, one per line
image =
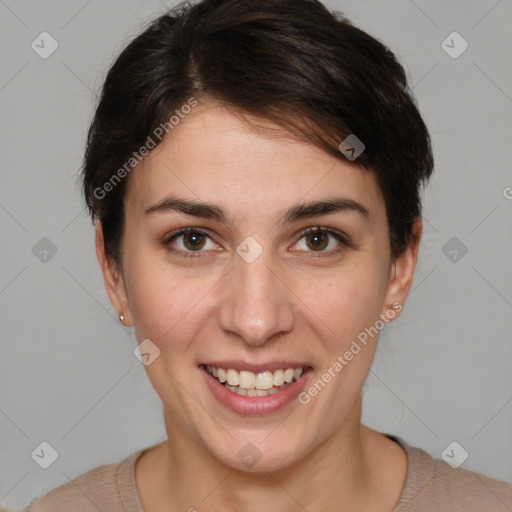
column 346, row 311
column 345, row 301
column 163, row 305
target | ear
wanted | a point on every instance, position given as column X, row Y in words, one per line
column 402, row 273
column 113, row 278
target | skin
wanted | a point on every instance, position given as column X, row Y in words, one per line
column 294, row 302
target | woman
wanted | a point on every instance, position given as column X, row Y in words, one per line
column 254, row 171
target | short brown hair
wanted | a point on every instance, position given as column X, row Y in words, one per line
column 291, row 62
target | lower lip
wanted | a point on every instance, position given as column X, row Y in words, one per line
column 255, row 404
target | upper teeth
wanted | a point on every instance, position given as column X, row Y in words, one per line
column 250, row 380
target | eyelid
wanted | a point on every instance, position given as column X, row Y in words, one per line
column 344, row 240
column 183, row 231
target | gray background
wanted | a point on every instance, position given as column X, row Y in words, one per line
column 67, row 369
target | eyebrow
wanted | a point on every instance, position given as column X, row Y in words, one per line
column 301, row 211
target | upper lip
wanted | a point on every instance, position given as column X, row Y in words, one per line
column 256, row 367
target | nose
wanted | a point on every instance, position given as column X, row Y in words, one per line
column 257, row 305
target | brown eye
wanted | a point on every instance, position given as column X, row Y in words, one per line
column 317, row 240
column 193, row 240
column 189, row 241
column 324, row 241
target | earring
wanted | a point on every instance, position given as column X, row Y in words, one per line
column 121, row 318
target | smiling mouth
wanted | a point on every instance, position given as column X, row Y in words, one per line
column 247, row 383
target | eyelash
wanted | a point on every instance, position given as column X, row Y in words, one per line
column 343, row 239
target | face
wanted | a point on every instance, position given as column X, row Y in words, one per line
column 285, row 265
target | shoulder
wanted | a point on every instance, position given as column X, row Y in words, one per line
column 461, row 489
column 105, row 487
column 433, row 485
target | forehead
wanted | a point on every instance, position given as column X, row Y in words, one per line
column 213, row 155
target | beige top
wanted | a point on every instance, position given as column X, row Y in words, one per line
column 431, row 485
